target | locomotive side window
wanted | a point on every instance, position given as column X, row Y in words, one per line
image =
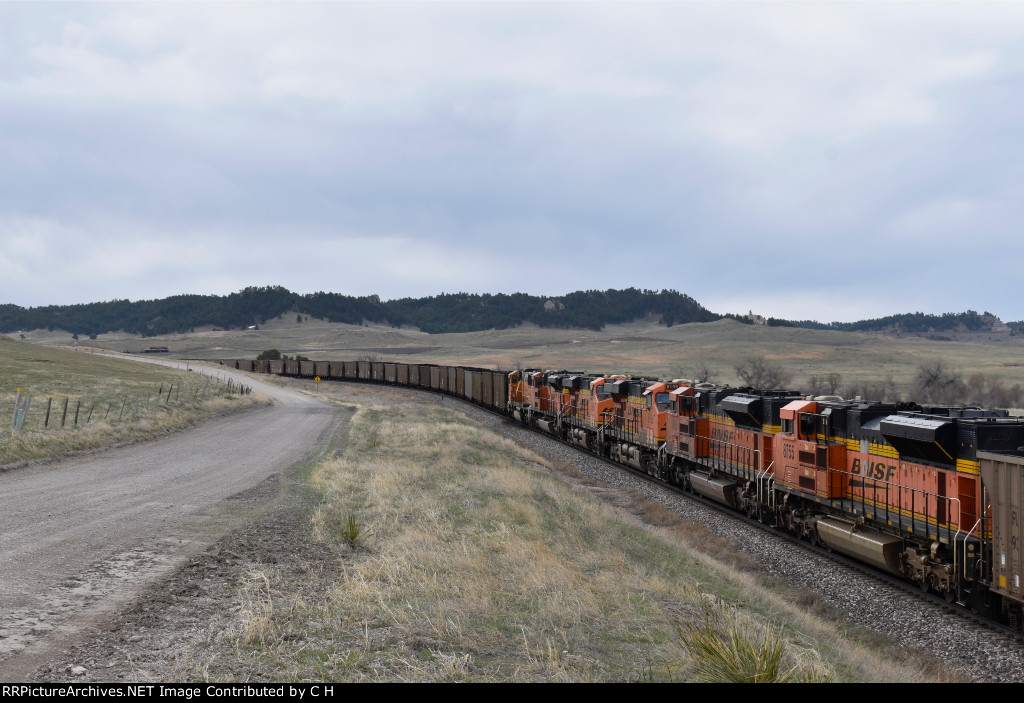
column 787, row 426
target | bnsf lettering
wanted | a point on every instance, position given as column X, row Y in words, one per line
column 723, row 435
column 878, row 470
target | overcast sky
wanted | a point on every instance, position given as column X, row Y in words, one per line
column 832, row 161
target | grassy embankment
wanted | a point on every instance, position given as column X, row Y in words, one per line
column 452, row 554
column 116, row 400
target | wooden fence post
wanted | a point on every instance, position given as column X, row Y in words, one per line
column 17, row 403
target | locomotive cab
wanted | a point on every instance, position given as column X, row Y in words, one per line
column 806, row 454
column 654, row 416
column 600, row 402
column 686, row 430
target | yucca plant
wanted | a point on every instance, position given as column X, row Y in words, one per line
column 351, row 531
column 726, row 650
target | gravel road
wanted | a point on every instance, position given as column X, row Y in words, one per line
column 79, row 537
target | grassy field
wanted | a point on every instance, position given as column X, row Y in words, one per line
column 455, row 555
column 451, row 554
column 108, row 400
column 642, row 347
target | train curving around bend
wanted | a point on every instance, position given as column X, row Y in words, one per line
column 933, row 494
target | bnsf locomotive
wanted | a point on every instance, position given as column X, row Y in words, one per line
column 930, row 493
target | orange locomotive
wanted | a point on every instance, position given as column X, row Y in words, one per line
column 894, row 484
column 897, row 485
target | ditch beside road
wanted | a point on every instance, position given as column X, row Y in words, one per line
column 81, row 537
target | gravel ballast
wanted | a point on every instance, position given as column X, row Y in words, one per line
column 965, row 648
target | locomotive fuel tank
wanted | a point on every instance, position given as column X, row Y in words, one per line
column 875, row 548
column 718, row 489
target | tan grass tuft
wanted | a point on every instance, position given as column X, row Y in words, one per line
column 257, row 611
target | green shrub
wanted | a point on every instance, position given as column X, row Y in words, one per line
column 352, row 533
column 725, row 649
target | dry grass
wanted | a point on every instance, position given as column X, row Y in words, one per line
column 476, row 565
column 36, row 444
column 116, row 400
column 257, row 611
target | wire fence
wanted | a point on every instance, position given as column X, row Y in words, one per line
column 57, row 411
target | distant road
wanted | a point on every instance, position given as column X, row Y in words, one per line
column 78, row 537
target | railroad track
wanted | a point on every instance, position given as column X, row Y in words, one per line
column 855, row 588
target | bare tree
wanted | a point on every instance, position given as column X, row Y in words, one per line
column 990, row 391
column 699, row 372
column 884, row 390
column 825, row 384
column 935, row 382
column 704, row 374
column 759, row 372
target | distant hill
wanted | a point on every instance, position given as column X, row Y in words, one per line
column 454, row 312
column 458, row 312
column 962, row 326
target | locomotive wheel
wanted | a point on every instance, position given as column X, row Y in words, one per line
column 923, row 583
column 811, row 536
column 950, row 596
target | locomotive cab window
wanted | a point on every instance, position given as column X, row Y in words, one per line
column 807, row 428
column 787, row 427
column 663, row 400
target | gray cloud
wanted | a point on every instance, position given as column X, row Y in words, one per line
column 829, row 161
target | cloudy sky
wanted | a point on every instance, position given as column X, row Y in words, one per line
column 832, row 161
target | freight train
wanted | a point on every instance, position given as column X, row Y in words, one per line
column 933, row 494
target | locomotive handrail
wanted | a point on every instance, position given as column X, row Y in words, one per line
column 899, row 508
column 770, row 479
column 955, row 540
column 627, row 424
column 717, row 461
